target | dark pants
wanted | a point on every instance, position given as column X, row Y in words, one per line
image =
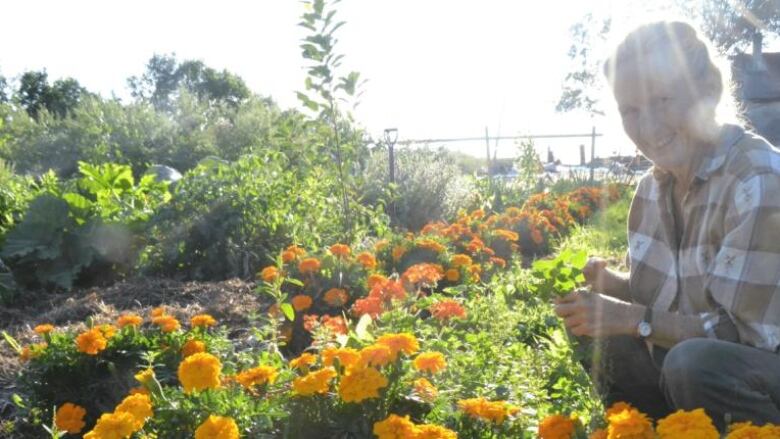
column 732, row 382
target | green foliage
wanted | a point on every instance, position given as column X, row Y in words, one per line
column 15, row 194
column 35, row 94
column 558, row 276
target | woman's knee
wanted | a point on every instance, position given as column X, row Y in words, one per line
column 689, row 362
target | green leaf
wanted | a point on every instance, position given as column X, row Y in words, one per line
column 17, row 400
column 12, row 342
column 288, row 311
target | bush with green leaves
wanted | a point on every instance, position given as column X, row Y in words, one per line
column 85, row 230
column 429, row 186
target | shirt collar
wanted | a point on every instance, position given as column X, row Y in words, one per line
column 728, row 137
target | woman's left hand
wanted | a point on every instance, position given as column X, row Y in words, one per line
column 598, row 315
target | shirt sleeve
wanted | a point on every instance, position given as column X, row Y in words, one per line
column 745, row 275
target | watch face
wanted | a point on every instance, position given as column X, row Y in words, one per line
column 645, row 329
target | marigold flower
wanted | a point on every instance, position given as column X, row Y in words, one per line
column 167, row 323
column 381, row 245
column 192, row 347
column 432, row 362
column 500, row 262
column 598, row 434
column 682, row 424
column 70, row 418
column 139, row 406
column 257, row 376
column 340, row 250
column 129, row 320
column 157, row 312
column 617, row 408
column 32, row 351
column 376, row 355
column 630, row 423
column 309, row 265
column 138, row 390
column 431, row 245
column 388, row 290
column 44, row 329
column 367, row 260
column 404, row 342
column 447, row 309
column 749, row 431
column 395, row 427
column 116, row 425
column 424, row 274
column 269, row 274
column 199, row 371
column 91, row 341
column 536, row 236
column 202, row 321
column 398, row 252
column 556, row 427
column 107, row 330
column 298, row 251
column 314, row 382
column 217, row 427
column 288, row 256
column 369, row 305
column 145, row 376
column 361, row 383
column 425, row 390
column 301, row 302
column 336, row 297
column 375, row 279
column 493, row 411
column 304, row 361
column 452, row 275
column 335, row 324
column 506, row 234
column 347, row 357
column 430, row 431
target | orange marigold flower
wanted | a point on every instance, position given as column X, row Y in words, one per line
column 199, row 371
column 405, row 343
column 314, row 382
column 430, row 431
column 381, row 245
column 44, row 329
column 192, row 347
column 501, row 262
column 301, row 302
column 374, row 279
column 376, row 355
column 139, row 390
column 425, row 390
column 361, row 383
column 112, row 425
column 347, row 357
column 309, row 265
column 157, row 312
column 269, row 274
column 369, row 305
column 303, row 361
column 598, row 434
column 340, row 250
column 398, row 252
column 493, row 411
column 310, row 322
column 556, row 427
column 424, row 274
column 257, row 376
column 432, row 362
column 430, row 244
column 367, row 260
column 630, row 423
column 217, row 427
column 91, row 341
column 335, row 324
column 288, row 256
column 617, row 408
column 145, row 376
column 395, row 427
column 452, row 275
column 166, row 323
column 506, row 234
column 107, row 330
column 129, row 320
column 139, row 406
column 460, row 260
column 681, row 424
column 70, row 418
column 299, row 251
column 478, row 214
column 202, row 321
column 336, row 297
column 447, row 309
column 388, row 291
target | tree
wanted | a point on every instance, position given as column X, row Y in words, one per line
column 3, row 92
column 35, row 94
column 732, row 26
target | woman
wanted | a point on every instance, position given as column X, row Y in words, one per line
column 696, row 321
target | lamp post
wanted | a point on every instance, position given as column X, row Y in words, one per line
column 391, row 136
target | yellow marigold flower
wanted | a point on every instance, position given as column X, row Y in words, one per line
column 269, row 274
column 452, row 275
column 217, row 427
column 398, row 252
column 139, row 390
column 556, row 427
column 430, row 431
column 347, row 357
column 617, row 408
column 431, row 245
column 460, row 260
column 117, row 425
column 405, row 343
column 199, row 371
column 192, row 347
column 630, row 423
column 309, row 265
column 493, row 411
column 746, row 430
column 340, row 250
column 70, row 417
column 166, row 323
column 395, row 427
column 303, row 361
column 367, row 260
column 157, row 312
column 91, row 341
column 257, row 376
column 139, row 406
column 314, row 382
column 377, row 355
column 145, row 376
column 425, row 390
column 129, row 320
column 432, row 362
column 301, row 302
column 598, row 434
column 202, row 321
column 360, row 383
column 682, row 424
column 336, row 297
column 107, row 330
column 44, row 329
column 506, row 234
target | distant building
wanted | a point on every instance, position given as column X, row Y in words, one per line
column 757, row 80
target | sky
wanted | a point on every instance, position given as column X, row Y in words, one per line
column 435, row 69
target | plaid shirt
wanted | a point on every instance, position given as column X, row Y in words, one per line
column 726, row 267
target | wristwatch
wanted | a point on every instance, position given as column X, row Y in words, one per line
column 644, row 328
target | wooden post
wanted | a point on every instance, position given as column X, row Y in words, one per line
column 487, row 150
column 391, row 163
column 592, row 153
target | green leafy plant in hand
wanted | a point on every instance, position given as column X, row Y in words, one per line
column 558, row 276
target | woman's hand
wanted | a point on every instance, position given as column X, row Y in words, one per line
column 598, row 315
column 595, row 271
